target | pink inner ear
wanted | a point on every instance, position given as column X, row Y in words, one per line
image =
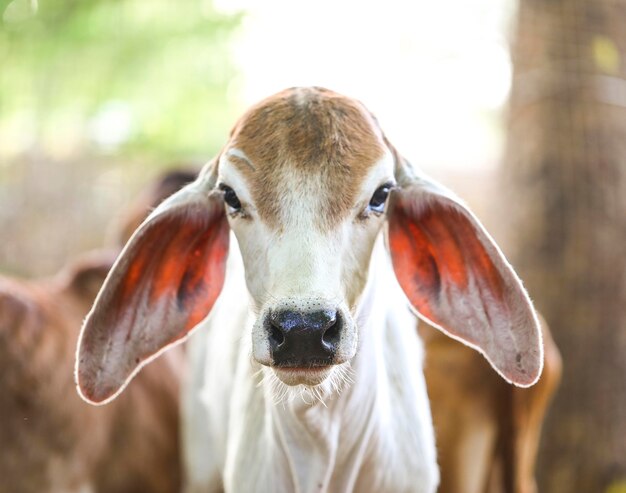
column 183, row 262
column 165, row 283
column 455, row 276
column 436, row 248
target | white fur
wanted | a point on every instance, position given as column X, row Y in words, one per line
column 367, row 427
column 374, row 435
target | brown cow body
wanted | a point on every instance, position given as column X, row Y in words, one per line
column 52, row 440
column 487, row 431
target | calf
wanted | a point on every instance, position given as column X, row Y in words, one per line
column 53, row 442
column 311, row 376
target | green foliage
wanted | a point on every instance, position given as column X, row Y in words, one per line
column 156, row 72
column 617, row 487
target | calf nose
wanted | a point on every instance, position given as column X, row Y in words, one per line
column 304, row 339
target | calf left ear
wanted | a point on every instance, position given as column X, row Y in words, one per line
column 457, row 279
column 163, row 284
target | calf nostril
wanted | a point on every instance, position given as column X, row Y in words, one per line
column 331, row 334
column 276, row 335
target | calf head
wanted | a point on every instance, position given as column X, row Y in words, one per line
column 306, row 182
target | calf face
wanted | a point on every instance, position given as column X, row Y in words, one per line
column 304, row 183
column 305, row 178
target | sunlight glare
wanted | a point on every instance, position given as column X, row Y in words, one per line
column 436, row 74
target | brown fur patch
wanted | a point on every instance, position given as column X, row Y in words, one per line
column 313, row 131
column 52, row 440
column 469, row 401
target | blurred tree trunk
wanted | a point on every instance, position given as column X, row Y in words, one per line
column 565, row 184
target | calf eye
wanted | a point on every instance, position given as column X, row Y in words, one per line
column 230, row 197
column 377, row 202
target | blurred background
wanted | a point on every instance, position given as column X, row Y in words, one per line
column 519, row 107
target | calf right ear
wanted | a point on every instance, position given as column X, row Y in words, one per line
column 163, row 284
column 458, row 280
